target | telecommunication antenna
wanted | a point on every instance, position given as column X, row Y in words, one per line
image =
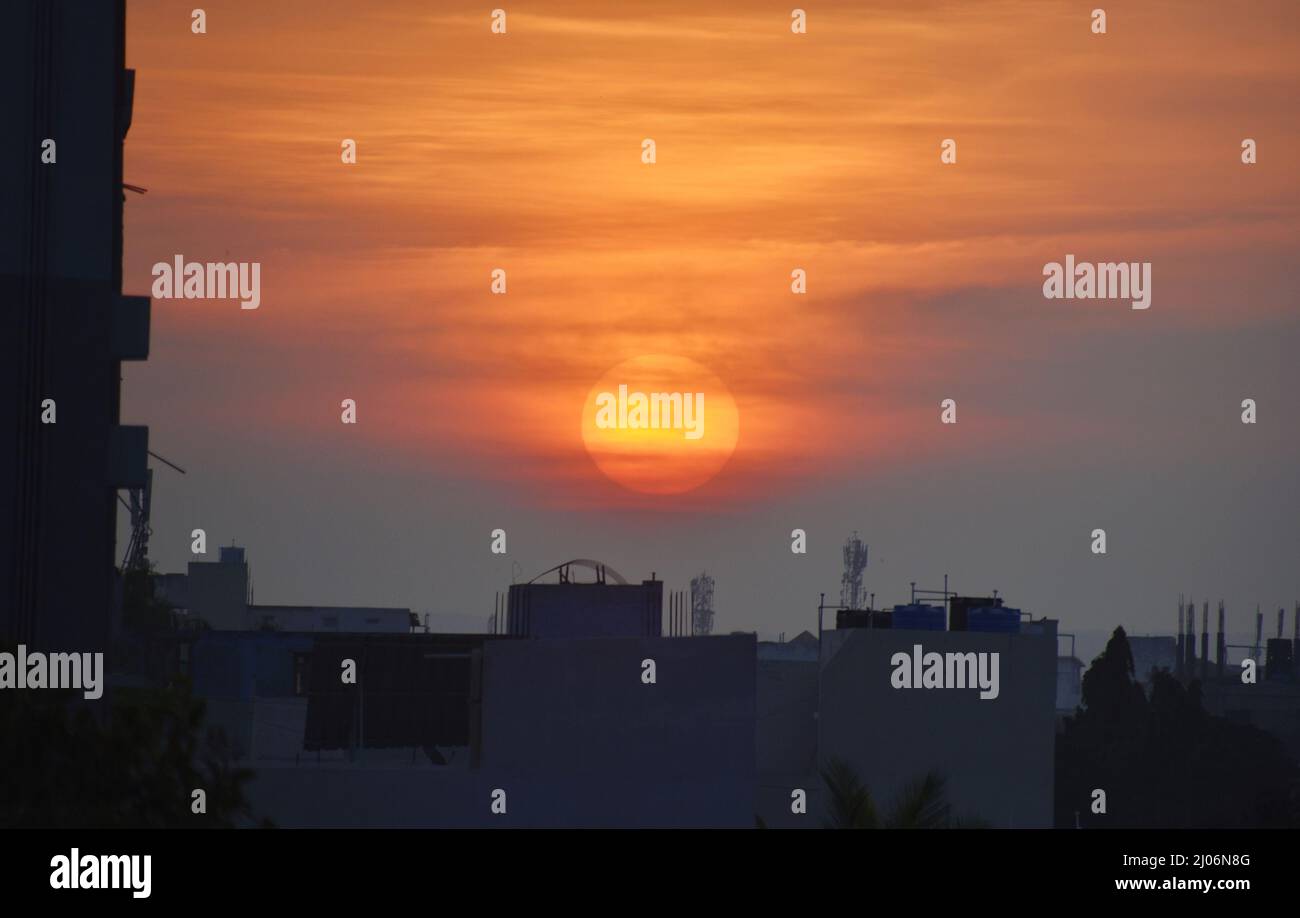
column 855, row 562
column 702, row 605
column 137, row 550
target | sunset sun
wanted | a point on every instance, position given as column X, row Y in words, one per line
column 660, row 424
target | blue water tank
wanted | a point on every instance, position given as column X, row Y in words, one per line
column 1001, row 619
column 919, row 617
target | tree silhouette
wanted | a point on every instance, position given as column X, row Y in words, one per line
column 137, row 767
column 1165, row 762
column 921, row 804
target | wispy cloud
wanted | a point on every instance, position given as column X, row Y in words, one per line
column 775, row 152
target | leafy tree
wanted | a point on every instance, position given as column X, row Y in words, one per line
column 68, row 763
column 148, row 643
column 1109, row 687
column 1165, row 762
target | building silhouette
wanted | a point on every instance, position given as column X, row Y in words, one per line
column 65, row 327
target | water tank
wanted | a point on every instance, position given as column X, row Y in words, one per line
column 862, row 618
column 919, row 617
column 1000, row 619
column 959, row 608
column 852, row 618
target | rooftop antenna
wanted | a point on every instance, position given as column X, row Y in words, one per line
column 1219, row 651
column 1181, row 658
column 855, row 562
column 1205, row 639
column 702, row 605
column 140, row 507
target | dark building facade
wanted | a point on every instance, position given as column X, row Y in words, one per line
column 65, row 327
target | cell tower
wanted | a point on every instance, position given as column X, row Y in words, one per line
column 855, row 562
column 702, row 605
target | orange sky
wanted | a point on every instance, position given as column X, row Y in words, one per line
column 775, row 151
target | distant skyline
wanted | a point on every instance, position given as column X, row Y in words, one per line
column 775, row 151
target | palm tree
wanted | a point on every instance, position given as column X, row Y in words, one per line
column 922, row 803
column 850, row 805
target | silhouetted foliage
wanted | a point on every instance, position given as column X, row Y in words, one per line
column 849, row 803
column 143, row 611
column 1164, row 762
column 921, row 804
column 148, row 644
column 69, row 763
